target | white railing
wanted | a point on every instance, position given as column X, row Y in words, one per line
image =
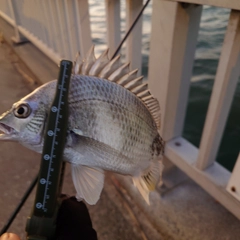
column 173, row 40
column 61, row 28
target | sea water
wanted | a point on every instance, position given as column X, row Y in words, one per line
column 210, row 39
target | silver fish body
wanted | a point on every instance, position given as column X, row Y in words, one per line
column 109, row 128
column 105, row 112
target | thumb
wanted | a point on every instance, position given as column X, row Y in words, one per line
column 9, row 236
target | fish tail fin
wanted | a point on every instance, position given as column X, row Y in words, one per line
column 147, row 181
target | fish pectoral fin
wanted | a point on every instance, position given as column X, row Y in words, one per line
column 147, row 181
column 88, row 183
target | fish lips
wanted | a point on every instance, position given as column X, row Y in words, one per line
column 7, row 132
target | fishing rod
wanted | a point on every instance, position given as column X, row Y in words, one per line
column 130, row 30
column 35, row 181
column 18, row 208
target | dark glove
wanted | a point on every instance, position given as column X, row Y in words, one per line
column 73, row 221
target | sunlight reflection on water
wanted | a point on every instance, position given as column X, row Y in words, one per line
column 212, row 29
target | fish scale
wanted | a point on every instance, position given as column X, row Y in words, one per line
column 136, row 154
column 113, row 125
column 134, row 105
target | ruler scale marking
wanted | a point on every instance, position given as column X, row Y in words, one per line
column 54, row 143
column 54, row 137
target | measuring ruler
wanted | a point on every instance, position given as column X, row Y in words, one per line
column 51, row 163
column 43, row 219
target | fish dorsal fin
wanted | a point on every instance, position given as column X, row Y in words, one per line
column 114, row 71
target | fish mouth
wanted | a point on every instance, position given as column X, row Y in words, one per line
column 6, row 132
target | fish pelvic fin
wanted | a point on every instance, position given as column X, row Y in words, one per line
column 114, row 71
column 88, row 183
column 148, row 181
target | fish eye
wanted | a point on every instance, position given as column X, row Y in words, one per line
column 22, row 111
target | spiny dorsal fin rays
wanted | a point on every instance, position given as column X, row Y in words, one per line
column 144, row 93
column 154, row 107
column 99, row 64
column 88, row 62
column 121, row 71
column 135, row 82
column 145, row 97
column 127, row 78
column 77, row 63
column 150, row 104
column 140, row 88
column 112, row 70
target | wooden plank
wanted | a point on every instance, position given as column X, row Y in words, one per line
column 232, row 4
column 213, row 180
column 233, row 186
column 62, row 28
column 113, row 24
column 70, row 29
column 55, row 24
column 82, row 26
column 172, row 49
column 42, row 30
column 223, row 91
column 39, row 44
column 16, row 21
column 134, row 40
column 46, row 18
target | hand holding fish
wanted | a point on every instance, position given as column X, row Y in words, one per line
column 9, row 236
column 113, row 125
column 73, row 222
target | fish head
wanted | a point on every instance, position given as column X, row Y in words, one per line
column 25, row 121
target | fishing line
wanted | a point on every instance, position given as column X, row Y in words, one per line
column 34, row 182
column 18, row 208
column 130, row 29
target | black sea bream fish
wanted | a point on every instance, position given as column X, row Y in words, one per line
column 113, row 125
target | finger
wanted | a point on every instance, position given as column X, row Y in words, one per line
column 9, row 236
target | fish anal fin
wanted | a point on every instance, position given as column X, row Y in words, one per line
column 149, row 179
column 88, row 183
column 141, row 188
